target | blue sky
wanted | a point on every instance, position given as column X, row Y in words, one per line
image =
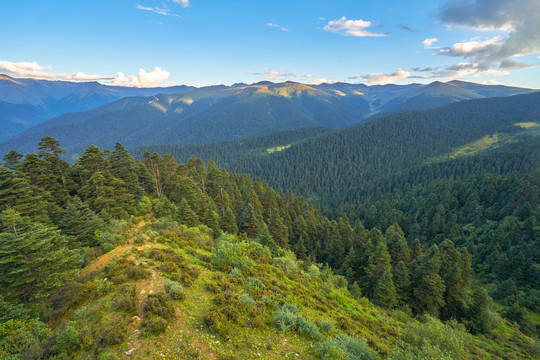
column 205, row 42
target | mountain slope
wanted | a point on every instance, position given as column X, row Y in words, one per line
column 348, row 164
column 218, row 113
column 45, row 99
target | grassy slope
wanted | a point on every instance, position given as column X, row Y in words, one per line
column 216, row 319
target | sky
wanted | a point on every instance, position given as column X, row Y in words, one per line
column 149, row 43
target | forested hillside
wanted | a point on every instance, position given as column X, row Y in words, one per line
column 178, row 257
column 219, row 113
column 378, row 156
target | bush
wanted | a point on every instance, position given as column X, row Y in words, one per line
column 228, row 254
column 247, row 301
column 174, row 289
column 286, row 317
column 18, row 337
column 286, row 264
column 68, row 340
column 154, row 325
column 326, row 325
column 345, row 347
column 126, row 299
column 308, row 328
column 158, row 304
column 435, row 340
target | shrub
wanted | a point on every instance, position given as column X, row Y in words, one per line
column 154, row 325
column 68, row 340
column 18, row 336
column 174, row 289
column 435, row 340
column 235, row 273
column 247, row 301
column 228, row 254
column 286, row 264
column 126, row 299
column 286, row 317
column 326, row 325
column 308, row 328
column 158, row 304
column 345, row 347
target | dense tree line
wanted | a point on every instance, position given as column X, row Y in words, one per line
column 57, row 211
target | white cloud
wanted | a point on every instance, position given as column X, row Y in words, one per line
column 518, row 18
column 144, row 79
column 184, row 3
column 381, row 79
column 428, row 43
column 157, row 10
column 473, row 48
column 277, row 76
column 34, row 70
column 277, row 26
column 351, row 27
column 495, row 82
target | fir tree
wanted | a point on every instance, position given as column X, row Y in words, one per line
column 35, row 259
column 385, row 292
column 185, row 216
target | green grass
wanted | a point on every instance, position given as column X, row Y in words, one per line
column 239, row 330
column 526, row 125
column 277, row 148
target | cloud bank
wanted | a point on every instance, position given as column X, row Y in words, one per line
column 277, row 76
column 518, row 18
column 382, row 79
column 144, row 79
column 347, row 27
column 33, row 70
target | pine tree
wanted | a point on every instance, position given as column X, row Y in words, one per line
column 378, row 261
column 35, row 259
column 385, row 292
column 12, row 160
column 92, row 160
column 124, row 167
column 80, row 222
column 185, row 216
column 250, row 223
column 300, row 249
column 265, row 238
column 16, row 193
column 228, row 222
column 402, row 282
column 428, row 286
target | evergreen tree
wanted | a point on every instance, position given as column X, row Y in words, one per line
column 12, row 160
column 80, row 222
column 124, row 167
column 185, row 216
column 228, row 222
column 402, row 282
column 250, row 223
column 35, row 259
column 428, row 286
column 385, row 292
column 265, row 238
column 278, row 229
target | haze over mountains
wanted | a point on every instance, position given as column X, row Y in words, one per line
column 183, row 114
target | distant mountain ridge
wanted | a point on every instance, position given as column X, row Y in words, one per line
column 27, row 102
column 219, row 113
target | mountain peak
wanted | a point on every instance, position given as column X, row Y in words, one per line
column 4, row 77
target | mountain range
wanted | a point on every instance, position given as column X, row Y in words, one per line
column 27, row 102
column 216, row 113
